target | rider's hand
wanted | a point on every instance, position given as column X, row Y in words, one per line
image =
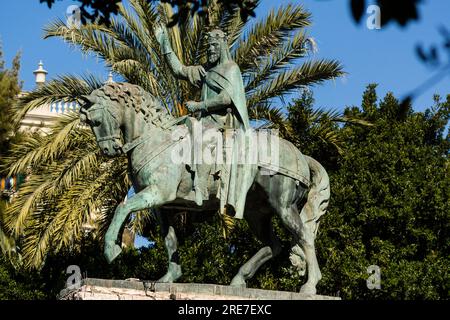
column 193, row 106
column 201, row 71
column 160, row 33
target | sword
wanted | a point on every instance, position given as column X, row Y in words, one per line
column 229, row 119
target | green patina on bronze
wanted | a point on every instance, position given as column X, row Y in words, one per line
column 126, row 119
column 222, row 89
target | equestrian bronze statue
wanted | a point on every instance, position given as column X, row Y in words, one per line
column 126, row 119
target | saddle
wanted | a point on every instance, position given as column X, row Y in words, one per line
column 273, row 155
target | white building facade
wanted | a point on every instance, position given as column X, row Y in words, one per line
column 42, row 118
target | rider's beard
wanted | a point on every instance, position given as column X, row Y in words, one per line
column 213, row 58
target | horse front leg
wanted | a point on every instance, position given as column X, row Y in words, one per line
column 146, row 199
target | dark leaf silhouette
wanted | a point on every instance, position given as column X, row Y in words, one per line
column 421, row 53
column 102, row 10
column 434, row 56
column 402, row 11
column 357, row 8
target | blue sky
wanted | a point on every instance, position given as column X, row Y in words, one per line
column 386, row 57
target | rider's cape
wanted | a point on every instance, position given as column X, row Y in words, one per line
column 236, row 179
column 228, row 77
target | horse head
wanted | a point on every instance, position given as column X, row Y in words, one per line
column 119, row 113
column 104, row 122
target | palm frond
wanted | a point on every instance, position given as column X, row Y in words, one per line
column 66, row 210
column 274, row 117
column 136, row 31
column 7, row 243
column 279, row 60
column 88, row 38
column 108, row 46
column 227, row 224
column 140, row 220
column 233, row 25
column 66, row 88
column 354, row 120
column 320, row 124
column 309, row 73
column 268, row 34
column 328, row 135
column 37, row 150
column 18, row 213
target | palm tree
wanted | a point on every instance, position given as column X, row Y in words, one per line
column 316, row 131
column 71, row 179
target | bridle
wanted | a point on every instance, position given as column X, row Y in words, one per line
column 115, row 137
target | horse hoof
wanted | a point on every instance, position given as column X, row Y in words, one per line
column 308, row 289
column 172, row 274
column 238, row 281
column 167, row 278
column 112, row 251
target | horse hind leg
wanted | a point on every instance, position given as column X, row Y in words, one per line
column 315, row 206
column 304, row 253
column 303, row 227
column 171, row 243
column 262, row 228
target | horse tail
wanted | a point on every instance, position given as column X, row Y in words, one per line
column 318, row 195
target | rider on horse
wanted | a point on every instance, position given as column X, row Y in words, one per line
column 222, row 89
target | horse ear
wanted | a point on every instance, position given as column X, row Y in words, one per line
column 83, row 114
column 85, row 103
column 86, row 99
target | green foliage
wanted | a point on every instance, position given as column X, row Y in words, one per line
column 16, row 285
column 390, row 207
column 206, row 257
column 315, row 132
column 9, row 88
column 390, row 204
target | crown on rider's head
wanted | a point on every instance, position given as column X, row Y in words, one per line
column 216, row 34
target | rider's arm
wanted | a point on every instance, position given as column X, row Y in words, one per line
column 174, row 63
column 193, row 74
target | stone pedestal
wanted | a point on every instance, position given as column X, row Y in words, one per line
column 98, row 289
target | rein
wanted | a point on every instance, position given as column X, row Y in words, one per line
column 166, row 144
column 113, row 138
column 127, row 147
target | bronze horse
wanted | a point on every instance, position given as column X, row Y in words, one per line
column 126, row 119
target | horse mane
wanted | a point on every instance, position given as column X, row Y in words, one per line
column 133, row 96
